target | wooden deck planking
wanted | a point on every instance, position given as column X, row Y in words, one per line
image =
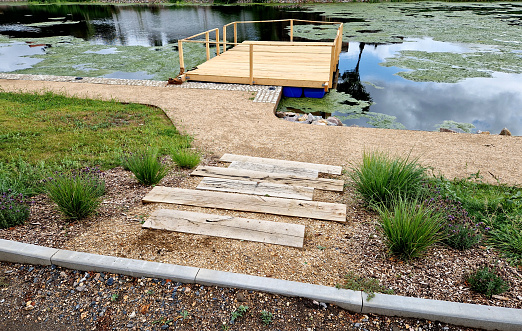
column 250, row 203
column 274, row 168
column 324, row 168
column 227, row 227
column 300, row 66
column 256, row 188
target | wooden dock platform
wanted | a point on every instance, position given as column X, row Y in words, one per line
column 295, row 64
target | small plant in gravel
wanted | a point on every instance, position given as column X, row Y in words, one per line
column 485, row 280
column 13, row 209
column 382, row 179
column 115, row 297
column 370, row 286
column 185, row 314
column 185, row 158
column 239, row 312
column 146, row 166
column 266, row 317
column 4, row 282
column 77, row 193
column 410, row 228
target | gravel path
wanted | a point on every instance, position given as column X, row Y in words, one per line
column 230, row 122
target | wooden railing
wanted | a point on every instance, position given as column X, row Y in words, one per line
column 336, row 45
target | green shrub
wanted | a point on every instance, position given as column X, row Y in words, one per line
column 381, row 179
column 485, row 280
column 461, row 236
column 185, row 158
column 77, row 194
column 410, row 227
column 13, row 209
column 146, row 166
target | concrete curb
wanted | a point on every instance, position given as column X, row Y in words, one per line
column 469, row 315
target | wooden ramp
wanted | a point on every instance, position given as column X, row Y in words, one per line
column 256, row 188
column 257, row 176
column 227, row 227
column 250, row 203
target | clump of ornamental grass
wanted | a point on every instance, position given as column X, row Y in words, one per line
column 13, row 209
column 185, row 158
column 146, row 166
column 382, row 179
column 76, row 193
column 410, row 228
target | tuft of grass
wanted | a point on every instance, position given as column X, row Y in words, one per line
column 185, row 158
column 146, row 166
column 381, row 179
column 410, row 228
column 13, row 209
column 77, row 193
column 370, row 286
column 507, row 237
column 485, row 280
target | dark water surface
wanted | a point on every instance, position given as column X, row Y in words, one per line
column 488, row 103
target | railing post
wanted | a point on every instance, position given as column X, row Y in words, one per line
column 291, row 30
column 251, row 51
column 181, row 60
column 235, row 33
column 207, row 45
column 224, row 39
column 217, row 42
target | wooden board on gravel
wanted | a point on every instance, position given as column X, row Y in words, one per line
column 317, row 183
column 251, row 203
column 256, row 188
column 324, row 168
column 227, row 227
column 273, row 168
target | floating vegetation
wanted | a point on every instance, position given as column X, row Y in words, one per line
column 497, row 25
column 452, row 125
column 51, row 23
column 377, row 120
column 69, row 56
column 332, row 102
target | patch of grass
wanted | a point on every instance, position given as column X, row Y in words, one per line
column 410, row 228
column 370, row 286
column 185, row 158
column 507, row 237
column 59, row 130
column 485, row 280
column 76, row 193
column 382, row 179
column 22, row 177
column 13, row 209
column 146, row 166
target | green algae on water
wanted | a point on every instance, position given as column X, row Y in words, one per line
column 70, row 56
column 332, row 102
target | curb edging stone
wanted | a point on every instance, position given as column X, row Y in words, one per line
column 469, row 315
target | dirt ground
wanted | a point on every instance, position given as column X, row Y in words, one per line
column 228, row 122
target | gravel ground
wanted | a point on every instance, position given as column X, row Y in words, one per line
column 52, row 298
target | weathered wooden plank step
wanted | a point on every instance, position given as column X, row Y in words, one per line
column 256, row 188
column 251, row 203
column 274, row 168
column 278, row 233
column 324, row 168
column 318, row 183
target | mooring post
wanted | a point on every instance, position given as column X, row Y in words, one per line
column 217, row 42
column 180, row 52
column 291, row 29
column 207, row 45
column 251, row 50
column 235, row 33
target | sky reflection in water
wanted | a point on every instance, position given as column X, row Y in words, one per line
column 488, row 103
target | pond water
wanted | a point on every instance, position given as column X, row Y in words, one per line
column 406, row 65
